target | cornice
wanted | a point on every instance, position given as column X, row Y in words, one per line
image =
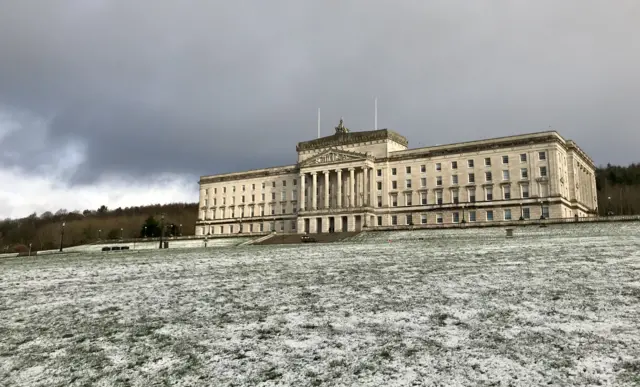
column 268, row 172
column 349, row 138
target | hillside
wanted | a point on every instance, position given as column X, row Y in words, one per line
column 44, row 230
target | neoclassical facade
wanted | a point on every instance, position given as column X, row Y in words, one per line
column 352, row 180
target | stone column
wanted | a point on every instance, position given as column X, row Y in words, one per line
column 352, row 186
column 372, row 187
column 302, row 195
column 326, row 189
column 339, row 189
column 314, row 189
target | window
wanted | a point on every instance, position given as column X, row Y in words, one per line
column 273, row 210
column 454, row 197
column 273, row 184
column 408, row 170
column 545, row 211
column 295, row 182
column 379, row 185
column 393, row 171
column 408, row 219
column 233, row 188
column 454, row 165
column 438, row 167
column 263, row 185
column 487, row 161
column 407, row 183
column 490, row 215
column 525, row 191
column 454, row 179
column 455, row 217
column 394, row 185
column 470, row 163
column 507, row 214
column 294, row 194
column 472, row 216
column 543, row 171
column 233, row 200
column 293, row 224
column 206, row 202
column 523, row 157
column 261, row 210
column 242, row 187
column 524, row 173
column 251, row 228
column 407, row 199
column 472, row 178
column 379, row 172
column 394, row 200
column 472, row 195
column 423, row 168
column 487, row 176
column 505, row 175
column 526, row 213
column 215, row 201
column 284, row 183
column 273, row 196
column 283, row 210
column 224, row 201
column 379, row 220
column 379, row 201
column 489, row 193
column 423, row 219
column 423, row 182
column 507, row 192
column 221, row 229
column 263, row 197
column 542, row 155
column 439, row 197
column 423, row 198
column 439, row 218
column 505, row 159
column 438, row 180
column 394, row 220
column 224, row 189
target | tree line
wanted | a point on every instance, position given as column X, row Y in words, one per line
column 46, row 231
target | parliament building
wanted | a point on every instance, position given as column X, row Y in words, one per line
column 351, row 181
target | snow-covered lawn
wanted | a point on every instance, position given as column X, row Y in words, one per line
column 550, row 306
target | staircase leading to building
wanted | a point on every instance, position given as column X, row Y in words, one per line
column 283, row 239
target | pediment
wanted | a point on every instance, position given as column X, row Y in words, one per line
column 333, row 156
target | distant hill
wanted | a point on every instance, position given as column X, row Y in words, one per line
column 44, row 231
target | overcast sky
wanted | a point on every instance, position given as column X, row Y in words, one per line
column 129, row 102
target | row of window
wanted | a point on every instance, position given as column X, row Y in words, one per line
column 230, row 213
column 468, row 216
column 251, row 227
column 471, row 179
column 253, row 187
column 542, row 156
column 283, row 197
column 455, row 196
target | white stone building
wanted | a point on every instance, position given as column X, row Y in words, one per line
column 351, row 180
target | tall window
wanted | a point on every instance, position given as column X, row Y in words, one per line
column 507, row 192
column 489, row 193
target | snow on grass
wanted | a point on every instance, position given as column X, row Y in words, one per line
column 550, row 306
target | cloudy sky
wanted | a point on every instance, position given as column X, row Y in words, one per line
column 129, row 102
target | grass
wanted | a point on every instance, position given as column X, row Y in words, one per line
column 553, row 306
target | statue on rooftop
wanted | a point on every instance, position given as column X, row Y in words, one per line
column 341, row 128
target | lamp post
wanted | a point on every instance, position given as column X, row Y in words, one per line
column 541, row 210
column 180, row 230
column 608, row 205
column 463, row 220
column 121, row 233
column 161, row 230
column 99, row 234
column 62, row 235
column 145, row 231
column 29, row 249
column 521, row 212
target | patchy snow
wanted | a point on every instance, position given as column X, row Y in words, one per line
column 550, row 306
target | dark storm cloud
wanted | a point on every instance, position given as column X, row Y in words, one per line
column 210, row 87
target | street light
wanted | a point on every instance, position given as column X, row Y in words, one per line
column 161, row 229
column 99, row 233
column 62, row 235
column 145, row 231
column 121, row 233
column 180, row 230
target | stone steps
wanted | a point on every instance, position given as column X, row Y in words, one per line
column 282, row 239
